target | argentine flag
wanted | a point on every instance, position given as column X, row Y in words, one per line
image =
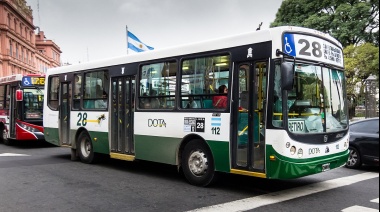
column 135, row 44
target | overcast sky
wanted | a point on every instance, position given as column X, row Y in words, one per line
column 87, row 30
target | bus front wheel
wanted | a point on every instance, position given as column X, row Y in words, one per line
column 198, row 163
column 86, row 150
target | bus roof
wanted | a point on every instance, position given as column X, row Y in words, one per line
column 18, row 77
column 271, row 34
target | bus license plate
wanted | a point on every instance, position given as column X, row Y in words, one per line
column 326, row 167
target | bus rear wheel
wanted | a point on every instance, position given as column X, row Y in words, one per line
column 198, row 163
column 85, row 147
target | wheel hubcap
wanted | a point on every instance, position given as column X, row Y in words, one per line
column 85, row 147
column 353, row 158
column 5, row 135
column 198, row 163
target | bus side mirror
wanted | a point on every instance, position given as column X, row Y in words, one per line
column 287, row 75
column 19, row 95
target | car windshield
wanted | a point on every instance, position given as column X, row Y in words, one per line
column 317, row 103
column 33, row 103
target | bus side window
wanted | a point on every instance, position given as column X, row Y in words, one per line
column 157, row 85
column 201, row 78
column 53, row 93
column 77, row 91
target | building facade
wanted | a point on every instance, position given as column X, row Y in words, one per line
column 22, row 51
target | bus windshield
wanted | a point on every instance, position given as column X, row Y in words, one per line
column 33, row 103
column 317, row 103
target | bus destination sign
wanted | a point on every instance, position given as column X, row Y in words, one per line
column 312, row 48
column 32, row 81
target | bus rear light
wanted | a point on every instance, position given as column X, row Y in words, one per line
column 272, row 158
column 19, row 95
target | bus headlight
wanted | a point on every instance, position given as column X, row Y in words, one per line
column 292, row 150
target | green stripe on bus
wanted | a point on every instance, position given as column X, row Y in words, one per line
column 164, row 149
column 99, row 139
column 100, row 142
column 157, row 149
column 51, row 135
column 288, row 168
column 221, row 152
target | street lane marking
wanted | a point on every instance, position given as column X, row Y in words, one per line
column 375, row 200
column 11, row 155
column 280, row 196
column 357, row 208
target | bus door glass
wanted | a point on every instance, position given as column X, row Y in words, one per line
column 64, row 109
column 13, row 111
column 249, row 126
column 122, row 115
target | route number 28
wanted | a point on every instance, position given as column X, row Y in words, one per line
column 82, row 119
column 316, row 48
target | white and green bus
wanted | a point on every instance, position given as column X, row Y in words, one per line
column 285, row 116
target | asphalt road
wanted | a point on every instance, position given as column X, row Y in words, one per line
column 43, row 178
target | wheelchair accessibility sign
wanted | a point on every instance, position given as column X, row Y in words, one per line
column 26, row 81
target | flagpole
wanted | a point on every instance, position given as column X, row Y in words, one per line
column 126, row 28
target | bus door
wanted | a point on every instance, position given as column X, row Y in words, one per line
column 249, row 142
column 13, row 111
column 64, row 113
column 122, row 109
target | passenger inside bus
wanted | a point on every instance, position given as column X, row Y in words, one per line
column 191, row 103
column 220, row 102
column 154, row 102
column 102, row 95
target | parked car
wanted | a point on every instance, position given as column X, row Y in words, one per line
column 364, row 143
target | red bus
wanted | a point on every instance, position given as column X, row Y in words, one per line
column 21, row 103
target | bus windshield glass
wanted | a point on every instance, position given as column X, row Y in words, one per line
column 317, row 103
column 33, row 103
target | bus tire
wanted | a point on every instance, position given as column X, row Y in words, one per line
column 2, row 132
column 198, row 163
column 354, row 160
column 85, row 147
column 4, row 137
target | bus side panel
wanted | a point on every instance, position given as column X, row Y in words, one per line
column 157, row 149
column 158, row 135
column 221, row 151
column 99, row 141
column 163, row 150
column 52, row 135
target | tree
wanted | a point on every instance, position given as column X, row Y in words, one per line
column 360, row 63
column 352, row 22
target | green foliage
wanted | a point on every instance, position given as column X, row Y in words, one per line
column 360, row 62
column 349, row 21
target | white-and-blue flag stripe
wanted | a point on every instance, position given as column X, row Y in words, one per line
column 216, row 122
column 136, row 45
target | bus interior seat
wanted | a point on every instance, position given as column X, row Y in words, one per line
column 89, row 104
column 207, row 103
